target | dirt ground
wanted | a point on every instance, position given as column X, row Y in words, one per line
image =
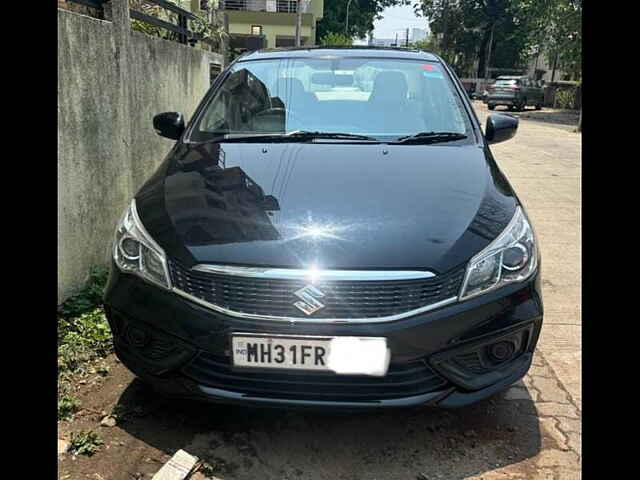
column 532, row 431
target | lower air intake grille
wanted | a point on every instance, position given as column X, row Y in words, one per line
column 403, row 380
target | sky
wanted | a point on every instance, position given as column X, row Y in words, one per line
column 397, row 20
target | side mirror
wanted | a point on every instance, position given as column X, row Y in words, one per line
column 500, row 127
column 169, row 124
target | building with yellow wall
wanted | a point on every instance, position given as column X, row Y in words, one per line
column 273, row 19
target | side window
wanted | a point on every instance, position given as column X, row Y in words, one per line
column 214, row 117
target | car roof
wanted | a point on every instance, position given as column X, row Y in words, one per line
column 511, row 77
column 357, row 51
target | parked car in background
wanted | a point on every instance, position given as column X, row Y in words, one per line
column 324, row 246
column 516, row 92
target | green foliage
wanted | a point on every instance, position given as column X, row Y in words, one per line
column 83, row 336
column 207, row 25
column 521, row 28
column 564, row 37
column 67, row 406
column 120, row 412
column 206, row 469
column 336, row 39
column 427, row 45
column 362, row 14
column 82, row 339
column 565, row 98
column 89, row 298
column 85, row 442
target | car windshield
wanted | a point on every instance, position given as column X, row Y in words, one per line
column 384, row 99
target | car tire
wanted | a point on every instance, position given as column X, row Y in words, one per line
column 491, row 107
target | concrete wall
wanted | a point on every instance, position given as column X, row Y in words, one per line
column 111, row 82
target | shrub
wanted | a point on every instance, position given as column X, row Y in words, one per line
column 566, row 98
column 87, row 299
column 336, row 40
column 84, row 443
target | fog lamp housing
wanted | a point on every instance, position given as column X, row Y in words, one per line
column 476, row 364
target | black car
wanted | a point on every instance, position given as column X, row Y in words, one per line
column 312, row 241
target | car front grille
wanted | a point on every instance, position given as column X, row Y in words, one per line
column 401, row 380
column 343, row 299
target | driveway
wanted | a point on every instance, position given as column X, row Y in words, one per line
column 532, row 431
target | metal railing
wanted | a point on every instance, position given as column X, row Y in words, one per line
column 181, row 29
column 282, row 6
column 90, row 3
column 185, row 36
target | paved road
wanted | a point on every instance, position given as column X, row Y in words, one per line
column 542, row 163
column 532, row 431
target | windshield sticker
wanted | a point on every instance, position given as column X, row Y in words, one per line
column 431, row 71
column 433, row 74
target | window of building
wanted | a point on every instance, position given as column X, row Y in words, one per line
column 256, row 29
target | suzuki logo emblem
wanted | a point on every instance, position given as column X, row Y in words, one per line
column 309, row 299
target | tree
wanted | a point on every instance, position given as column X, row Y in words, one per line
column 464, row 29
column 427, row 45
column 564, row 37
column 336, row 40
column 362, row 14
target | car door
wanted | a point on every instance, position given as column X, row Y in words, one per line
column 525, row 88
column 540, row 92
column 534, row 94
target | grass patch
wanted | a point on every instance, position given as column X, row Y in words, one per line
column 67, row 406
column 87, row 299
column 83, row 337
column 85, row 442
column 81, row 340
column 83, row 331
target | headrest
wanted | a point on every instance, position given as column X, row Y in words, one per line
column 389, row 87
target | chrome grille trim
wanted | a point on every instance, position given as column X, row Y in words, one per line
column 251, row 316
column 349, row 296
column 311, row 274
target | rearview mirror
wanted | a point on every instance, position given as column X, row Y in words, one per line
column 322, row 78
column 500, row 127
column 169, row 124
column 335, row 80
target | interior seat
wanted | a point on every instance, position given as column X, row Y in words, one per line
column 389, row 109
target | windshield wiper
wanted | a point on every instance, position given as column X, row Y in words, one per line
column 331, row 135
column 430, row 137
column 297, row 135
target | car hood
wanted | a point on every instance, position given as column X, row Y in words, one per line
column 328, row 205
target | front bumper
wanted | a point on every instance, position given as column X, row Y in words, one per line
column 437, row 358
column 500, row 100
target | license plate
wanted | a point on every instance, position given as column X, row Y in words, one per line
column 341, row 355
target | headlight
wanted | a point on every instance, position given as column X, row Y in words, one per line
column 511, row 257
column 134, row 251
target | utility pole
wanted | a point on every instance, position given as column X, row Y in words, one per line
column 406, row 43
column 298, row 22
column 555, row 64
column 346, row 23
column 488, row 59
column 396, row 44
